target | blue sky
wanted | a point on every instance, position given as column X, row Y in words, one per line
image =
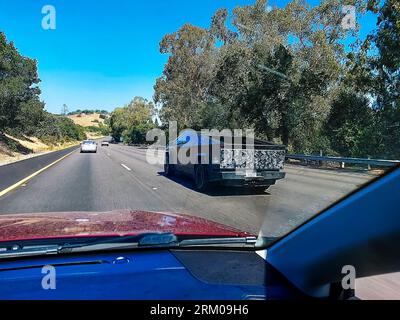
column 103, row 53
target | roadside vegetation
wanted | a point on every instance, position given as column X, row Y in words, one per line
column 22, row 114
column 294, row 74
column 288, row 74
column 94, row 124
column 88, row 111
column 131, row 122
column 100, row 130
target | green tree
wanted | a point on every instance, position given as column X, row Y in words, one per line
column 183, row 88
column 281, row 71
column 351, row 127
column 387, row 66
column 18, row 83
column 132, row 121
column 21, row 111
column 54, row 129
column 30, row 116
column 375, row 72
column 277, row 73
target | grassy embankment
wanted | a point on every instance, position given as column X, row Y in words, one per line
column 91, row 122
column 13, row 149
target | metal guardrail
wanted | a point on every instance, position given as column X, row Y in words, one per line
column 343, row 161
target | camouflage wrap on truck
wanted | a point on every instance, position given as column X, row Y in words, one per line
column 252, row 159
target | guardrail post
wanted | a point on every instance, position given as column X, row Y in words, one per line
column 342, row 165
column 320, row 154
column 369, row 166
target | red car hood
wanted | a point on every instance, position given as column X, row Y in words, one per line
column 114, row 223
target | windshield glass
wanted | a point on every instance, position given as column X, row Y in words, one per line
column 222, row 119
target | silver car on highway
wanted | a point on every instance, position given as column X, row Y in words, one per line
column 89, row 146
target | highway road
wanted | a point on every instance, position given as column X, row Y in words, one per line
column 119, row 177
column 14, row 172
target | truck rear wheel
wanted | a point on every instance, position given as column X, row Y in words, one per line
column 260, row 189
column 169, row 169
column 200, row 178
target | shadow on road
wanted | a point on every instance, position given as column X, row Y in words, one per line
column 217, row 190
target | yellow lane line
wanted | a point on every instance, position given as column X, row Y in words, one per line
column 21, row 182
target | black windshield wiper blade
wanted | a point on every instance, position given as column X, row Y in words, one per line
column 29, row 251
column 109, row 243
column 147, row 239
column 232, row 241
column 150, row 240
column 163, row 240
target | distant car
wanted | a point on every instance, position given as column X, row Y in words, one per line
column 105, row 143
column 89, row 146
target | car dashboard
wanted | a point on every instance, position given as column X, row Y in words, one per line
column 145, row 275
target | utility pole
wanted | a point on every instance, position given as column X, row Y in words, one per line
column 64, row 109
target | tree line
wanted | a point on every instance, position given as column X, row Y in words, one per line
column 22, row 112
column 291, row 75
column 131, row 122
column 88, row 111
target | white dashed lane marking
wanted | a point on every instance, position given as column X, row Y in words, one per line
column 126, row 167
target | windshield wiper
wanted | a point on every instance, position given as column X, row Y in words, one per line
column 151, row 240
column 154, row 240
column 28, row 251
column 241, row 241
column 124, row 242
column 119, row 242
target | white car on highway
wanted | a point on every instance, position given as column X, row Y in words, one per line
column 88, row 146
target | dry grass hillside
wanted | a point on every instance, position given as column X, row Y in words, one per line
column 87, row 120
column 13, row 149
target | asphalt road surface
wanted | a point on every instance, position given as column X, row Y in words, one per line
column 14, row 172
column 120, row 177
